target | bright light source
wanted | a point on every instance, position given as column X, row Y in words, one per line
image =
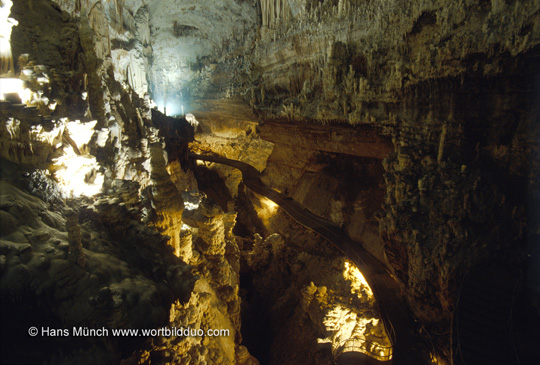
column 172, row 109
column 80, row 132
column 52, row 137
column 352, row 331
column 6, row 23
column 8, row 86
column 359, row 284
column 434, row 359
column 352, row 326
column 43, row 79
column 169, row 106
column 77, row 174
column 269, row 206
column 190, row 206
column 158, row 103
column 14, row 86
column 267, row 209
column 192, row 120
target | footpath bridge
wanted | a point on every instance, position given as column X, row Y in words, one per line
column 397, row 320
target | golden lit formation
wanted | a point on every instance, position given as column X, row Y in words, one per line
column 6, row 23
column 320, row 181
column 353, row 328
column 77, row 173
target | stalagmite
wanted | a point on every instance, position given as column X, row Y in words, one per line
column 405, row 125
column 76, row 253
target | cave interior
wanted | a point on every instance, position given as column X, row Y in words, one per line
column 269, row 182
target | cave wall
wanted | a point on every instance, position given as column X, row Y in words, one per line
column 176, row 51
column 455, row 190
column 330, row 59
column 344, row 189
column 122, row 37
column 73, row 266
column 67, row 260
column 97, row 86
column 127, row 143
column 208, row 245
column 467, row 190
column 454, row 86
column 303, row 301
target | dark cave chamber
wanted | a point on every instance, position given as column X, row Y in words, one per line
column 256, row 322
column 55, row 340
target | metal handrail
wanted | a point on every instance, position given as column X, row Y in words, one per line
column 356, row 344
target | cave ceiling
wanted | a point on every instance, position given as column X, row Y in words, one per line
column 303, row 59
column 188, row 39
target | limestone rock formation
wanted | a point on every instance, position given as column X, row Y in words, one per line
column 81, row 273
column 211, row 248
column 410, row 125
column 314, row 303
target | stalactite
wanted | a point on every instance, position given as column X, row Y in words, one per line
column 274, row 12
column 264, row 12
column 119, row 7
column 271, row 12
column 440, row 154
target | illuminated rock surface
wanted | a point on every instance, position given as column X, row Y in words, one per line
column 413, row 126
column 92, row 265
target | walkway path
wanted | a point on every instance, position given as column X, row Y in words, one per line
column 398, row 322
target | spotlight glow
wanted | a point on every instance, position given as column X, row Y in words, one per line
column 353, row 328
column 77, row 172
column 171, row 106
column 192, row 120
column 80, row 132
column 359, row 285
column 190, row 206
column 78, row 175
column 14, row 86
column 6, row 23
